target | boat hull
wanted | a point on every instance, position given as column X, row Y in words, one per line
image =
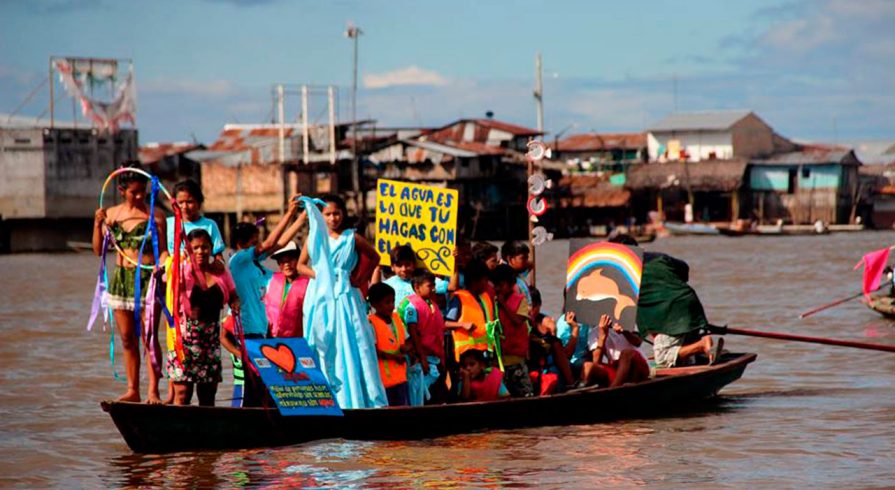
column 165, row 428
column 882, row 304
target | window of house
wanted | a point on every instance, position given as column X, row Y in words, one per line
column 806, row 173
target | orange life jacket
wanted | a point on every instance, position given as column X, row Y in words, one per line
column 389, row 338
column 471, row 311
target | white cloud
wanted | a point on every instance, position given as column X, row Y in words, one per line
column 411, row 75
column 801, row 35
column 213, row 88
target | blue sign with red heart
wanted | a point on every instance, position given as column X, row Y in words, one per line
column 289, row 370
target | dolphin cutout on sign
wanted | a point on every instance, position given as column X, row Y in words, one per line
column 597, row 287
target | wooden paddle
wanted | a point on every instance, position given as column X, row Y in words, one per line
column 834, row 303
column 801, row 338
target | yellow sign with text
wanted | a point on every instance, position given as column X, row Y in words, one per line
column 420, row 215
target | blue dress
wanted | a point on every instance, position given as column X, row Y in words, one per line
column 335, row 318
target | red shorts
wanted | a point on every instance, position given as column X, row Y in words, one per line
column 607, row 372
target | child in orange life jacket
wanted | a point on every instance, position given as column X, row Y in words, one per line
column 392, row 343
column 286, row 294
column 470, row 310
column 426, row 326
column 513, row 311
column 479, row 383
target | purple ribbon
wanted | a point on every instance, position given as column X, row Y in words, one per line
column 100, row 290
column 149, row 321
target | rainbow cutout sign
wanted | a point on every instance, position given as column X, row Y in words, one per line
column 603, row 278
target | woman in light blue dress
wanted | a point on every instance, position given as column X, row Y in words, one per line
column 335, row 314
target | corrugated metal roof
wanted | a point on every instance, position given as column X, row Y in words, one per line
column 153, row 152
column 441, row 148
column 602, row 141
column 812, row 156
column 690, row 121
column 504, row 126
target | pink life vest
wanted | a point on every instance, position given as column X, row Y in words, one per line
column 285, row 319
column 488, row 389
column 431, row 327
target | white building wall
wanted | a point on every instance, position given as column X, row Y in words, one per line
column 698, row 144
column 22, row 173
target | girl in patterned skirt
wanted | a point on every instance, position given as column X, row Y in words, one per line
column 207, row 288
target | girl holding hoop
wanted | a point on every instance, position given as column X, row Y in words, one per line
column 127, row 224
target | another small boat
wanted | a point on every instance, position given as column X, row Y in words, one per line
column 691, row 229
column 645, row 238
column 882, row 304
column 167, row 428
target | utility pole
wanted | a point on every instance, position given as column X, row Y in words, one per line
column 539, row 104
column 539, row 91
column 331, row 97
column 281, row 113
column 354, row 33
column 305, row 130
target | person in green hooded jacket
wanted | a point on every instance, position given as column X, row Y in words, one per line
column 669, row 311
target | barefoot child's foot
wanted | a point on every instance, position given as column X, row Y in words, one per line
column 130, row 396
column 152, row 398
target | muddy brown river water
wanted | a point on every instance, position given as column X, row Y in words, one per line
column 802, row 416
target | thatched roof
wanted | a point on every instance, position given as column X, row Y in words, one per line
column 592, row 191
column 709, row 175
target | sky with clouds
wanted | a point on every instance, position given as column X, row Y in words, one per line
column 819, row 70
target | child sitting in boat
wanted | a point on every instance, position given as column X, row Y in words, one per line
column 392, row 343
column 426, row 326
column 206, row 290
column 127, row 224
column 551, row 369
column 513, row 311
column 479, row 383
column 616, row 358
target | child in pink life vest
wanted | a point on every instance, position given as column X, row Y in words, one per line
column 478, row 382
column 285, row 296
column 426, row 326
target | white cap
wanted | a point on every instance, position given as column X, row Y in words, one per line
column 291, row 247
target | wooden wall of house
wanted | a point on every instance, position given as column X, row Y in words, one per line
column 804, row 206
column 261, row 188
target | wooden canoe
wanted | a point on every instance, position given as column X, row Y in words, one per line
column 166, row 428
column 882, row 304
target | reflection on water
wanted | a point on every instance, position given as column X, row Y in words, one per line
column 803, row 415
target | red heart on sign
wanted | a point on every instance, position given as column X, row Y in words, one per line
column 281, row 355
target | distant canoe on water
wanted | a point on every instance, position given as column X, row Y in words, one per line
column 882, row 304
column 167, row 428
column 691, row 229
